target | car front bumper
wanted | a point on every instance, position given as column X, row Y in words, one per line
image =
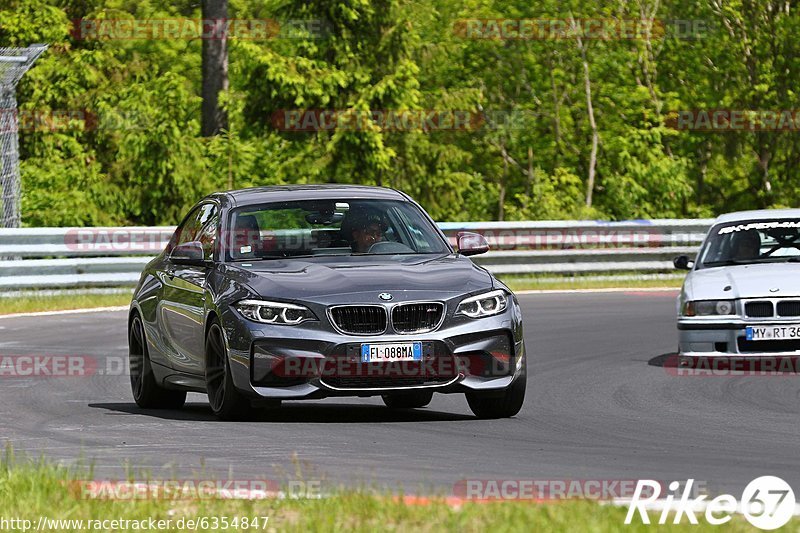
column 704, row 338
column 293, row 363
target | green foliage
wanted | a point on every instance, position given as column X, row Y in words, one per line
column 131, row 151
column 66, row 188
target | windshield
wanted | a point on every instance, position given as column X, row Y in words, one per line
column 331, row 227
column 761, row 241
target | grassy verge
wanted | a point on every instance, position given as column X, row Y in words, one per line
column 523, row 283
column 33, row 302
column 29, row 492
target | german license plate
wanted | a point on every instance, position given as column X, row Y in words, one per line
column 759, row 333
column 380, row 353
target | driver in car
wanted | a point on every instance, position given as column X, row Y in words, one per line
column 746, row 245
column 366, row 229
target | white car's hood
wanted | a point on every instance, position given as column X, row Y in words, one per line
column 745, row 281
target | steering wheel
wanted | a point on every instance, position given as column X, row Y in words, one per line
column 389, row 247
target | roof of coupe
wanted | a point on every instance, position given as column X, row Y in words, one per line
column 758, row 214
column 257, row 195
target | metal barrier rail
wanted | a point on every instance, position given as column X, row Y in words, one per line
column 50, row 258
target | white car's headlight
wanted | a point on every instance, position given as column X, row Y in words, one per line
column 710, row 308
column 274, row 312
column 487, row 304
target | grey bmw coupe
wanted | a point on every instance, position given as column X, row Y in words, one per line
column 306, row 292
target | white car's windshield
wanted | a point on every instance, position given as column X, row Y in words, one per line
column 331, row 227
column 757, row 241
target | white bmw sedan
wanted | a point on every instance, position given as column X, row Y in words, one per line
column 741, row 296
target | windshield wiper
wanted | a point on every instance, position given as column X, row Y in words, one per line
column 729, row 262
column 377, row 254
column 303, row 256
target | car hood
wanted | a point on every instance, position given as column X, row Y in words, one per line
column 341, row 279
column 745, row 281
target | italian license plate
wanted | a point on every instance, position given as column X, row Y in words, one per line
column 759, row 333
column 379, row 353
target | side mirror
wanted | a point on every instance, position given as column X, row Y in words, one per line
column 188, row 253
column 472, row 243
column 682, row 262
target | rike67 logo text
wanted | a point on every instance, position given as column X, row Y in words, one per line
column 767, row 502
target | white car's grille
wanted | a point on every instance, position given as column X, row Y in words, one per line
column 789, row 308
column 775, row 308
column 759, row 309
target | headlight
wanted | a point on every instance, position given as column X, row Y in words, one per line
column 710, row 308
column 274, row 312
column 488, row 304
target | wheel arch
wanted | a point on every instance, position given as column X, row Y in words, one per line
column 211, row 318
column 132, row 313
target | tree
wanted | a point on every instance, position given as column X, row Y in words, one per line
column 215, row 66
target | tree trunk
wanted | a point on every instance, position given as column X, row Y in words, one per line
column 529, row 183
column 704, row 157
column 556, row 117
column 215, row 66
column 501, row 200
column 589, row 111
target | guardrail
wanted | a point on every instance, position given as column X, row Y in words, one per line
column 54, row 258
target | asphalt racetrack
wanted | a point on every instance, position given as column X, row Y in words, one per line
column 600, row 405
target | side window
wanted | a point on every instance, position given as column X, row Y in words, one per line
column 194, row 224
column 208, row 232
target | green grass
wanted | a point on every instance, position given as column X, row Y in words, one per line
column 35, row 302
column 523, row 283
column 29, row 491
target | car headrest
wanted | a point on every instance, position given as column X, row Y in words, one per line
column 246, row 223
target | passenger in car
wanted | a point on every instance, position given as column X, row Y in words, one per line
column 246, row 236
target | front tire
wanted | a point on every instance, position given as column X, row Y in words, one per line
column 226, row 402
column 146, row 392
column 407, row 400
column 505, row 406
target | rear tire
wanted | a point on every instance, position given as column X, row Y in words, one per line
column 407, row 400
column 226, row 402
column 146, row 392
column 505, row 406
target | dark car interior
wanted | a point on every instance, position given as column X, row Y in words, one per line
column 295, row 230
